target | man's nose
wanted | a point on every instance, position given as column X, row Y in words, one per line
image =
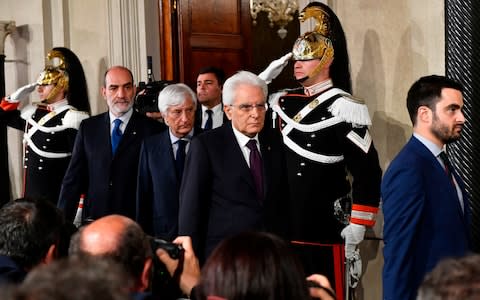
column 121, row 92
column 461, row 117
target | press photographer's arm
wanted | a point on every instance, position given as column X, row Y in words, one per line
column 191, row 268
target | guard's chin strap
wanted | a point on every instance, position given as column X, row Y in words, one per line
column 303, row 79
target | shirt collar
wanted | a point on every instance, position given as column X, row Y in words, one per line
column 216, row 109
column 125, row 117
column 318, row 87
column 243, row 139
column 174, row 139
column 430, row 145
column 53, row 106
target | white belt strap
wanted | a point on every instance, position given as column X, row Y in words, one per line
column 42, row 153
column 309, row 154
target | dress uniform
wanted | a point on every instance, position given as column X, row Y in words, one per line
column 48, row 142
column 49, row 126
column 333, row 168
column 327, row 141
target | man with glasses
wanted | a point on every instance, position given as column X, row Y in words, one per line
column 236, row 178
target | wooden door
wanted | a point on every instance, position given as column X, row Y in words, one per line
column 213, row 33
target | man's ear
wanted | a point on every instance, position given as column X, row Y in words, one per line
column 424, row 114
column 103, row 92
column 145, row 277
column 51, row 254
column 228, row 111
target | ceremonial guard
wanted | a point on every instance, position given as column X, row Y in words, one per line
column 49, row 126
column 334, row 172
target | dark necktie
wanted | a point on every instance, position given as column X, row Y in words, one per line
column 180, row 157
column 256, row 168
column 116, row 134
column 446, row 163
column 209, row 122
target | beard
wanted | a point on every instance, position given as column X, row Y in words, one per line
column 443, row 132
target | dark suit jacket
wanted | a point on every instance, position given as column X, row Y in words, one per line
column 423, row 220
column 10, row 271
column 109, row 181
column 217, row 196
column 158, row 187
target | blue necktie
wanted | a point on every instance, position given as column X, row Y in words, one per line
column 180, row 157
column 116, row 134
column 209, row 122
column 256, row 168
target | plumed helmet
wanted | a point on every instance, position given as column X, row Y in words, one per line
column 64, row 69
column 312, row 45
column 51, row 75
column 326, row 41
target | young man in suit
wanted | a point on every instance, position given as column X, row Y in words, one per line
column 425, row 207
column 210, row 113
column 161, row 163
column 231, row 188
column 104, row 162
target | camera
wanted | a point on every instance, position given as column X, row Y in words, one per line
column 146, row 99
column 162, row 283
column 173, row 250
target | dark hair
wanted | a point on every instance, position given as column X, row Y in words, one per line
column 131, row 251
column 253, row 266
column 27, row 230
column 427, row 91
column 77, row 93
column 340, row 68
column 75, row 279
column 219, row 73
column 453, row 279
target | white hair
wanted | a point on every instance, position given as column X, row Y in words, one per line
column 241, row 78
column 175, row 94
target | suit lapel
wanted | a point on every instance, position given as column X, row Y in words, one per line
column 445, row 181
column 233, row 149
column 265, row 149
column 129, row 135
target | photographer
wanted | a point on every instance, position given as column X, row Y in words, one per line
column 121, row 239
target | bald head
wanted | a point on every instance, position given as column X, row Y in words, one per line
column 104, row 235
column 118, row 238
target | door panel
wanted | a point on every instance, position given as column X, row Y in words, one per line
column 213, row 33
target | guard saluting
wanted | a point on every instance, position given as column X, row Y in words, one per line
column 330, row 154
column 49, row 126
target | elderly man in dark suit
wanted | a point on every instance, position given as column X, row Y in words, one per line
column 161, row 163
column 426, row 210
column 104, row 161
column 234, row 177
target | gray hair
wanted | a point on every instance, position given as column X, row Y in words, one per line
column 175, row 94
column 241, row 78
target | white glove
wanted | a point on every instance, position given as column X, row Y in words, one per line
column 353, row 235
column 22, row 93
column 275, row 68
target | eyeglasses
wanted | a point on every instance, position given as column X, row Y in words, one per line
column 250, row 107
